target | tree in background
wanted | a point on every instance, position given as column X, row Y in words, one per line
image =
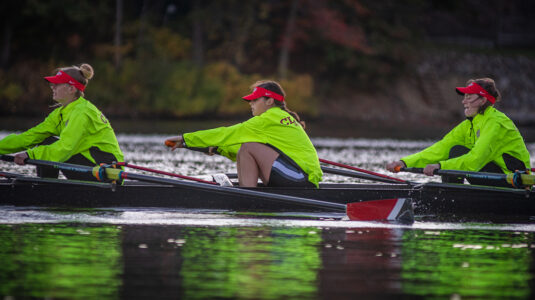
column 195, row 58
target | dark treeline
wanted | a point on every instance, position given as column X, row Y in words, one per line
column 196, row 58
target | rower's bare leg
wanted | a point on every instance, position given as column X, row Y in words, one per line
column 255, row 161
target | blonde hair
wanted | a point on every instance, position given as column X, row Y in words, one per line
column 82, row 74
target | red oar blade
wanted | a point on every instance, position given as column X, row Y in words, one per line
column 398, row 210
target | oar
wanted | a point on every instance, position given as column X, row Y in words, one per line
column 357, row 175
column 340, row 172
column 368, row 175
column 353, row 210
column 517, row 179
column 10, row 175
column 129, row 165
column 377, row 175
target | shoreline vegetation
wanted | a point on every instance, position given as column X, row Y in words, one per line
column 179, row 90
column 383, row 66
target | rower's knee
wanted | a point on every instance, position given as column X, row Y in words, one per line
column 245, row 148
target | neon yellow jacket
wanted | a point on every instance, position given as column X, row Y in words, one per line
column 79, row 125
column 274, row 127
column 488, row 136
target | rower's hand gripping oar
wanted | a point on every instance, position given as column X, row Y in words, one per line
column 516, row 179
column 355, row 211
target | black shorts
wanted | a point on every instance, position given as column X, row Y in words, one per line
column 286, row 173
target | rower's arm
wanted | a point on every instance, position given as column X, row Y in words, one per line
column 249, row 131
column 68, row 144
column 33, row 136
column 485, row 150
column 440, row 150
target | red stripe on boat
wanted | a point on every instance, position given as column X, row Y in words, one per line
column 375, row 210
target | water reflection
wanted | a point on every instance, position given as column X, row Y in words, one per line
column 261, row 262
column 467, row 263
column 361, row 262
column 266, row 263
column 60, row 261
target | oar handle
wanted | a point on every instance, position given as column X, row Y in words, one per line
column 9, row 158
column 410, row 170
column 170, row 144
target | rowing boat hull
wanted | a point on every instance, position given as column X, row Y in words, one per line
column 153, row 195
column 432, row 200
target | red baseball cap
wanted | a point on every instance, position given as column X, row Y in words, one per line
column 474, row 88
column 62, row 77
column 259, row 92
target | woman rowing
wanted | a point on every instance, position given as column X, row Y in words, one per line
column 487, row 141
column 272, row 145
column 75, row 132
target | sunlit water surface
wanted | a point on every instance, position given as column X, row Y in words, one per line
column 205, row 254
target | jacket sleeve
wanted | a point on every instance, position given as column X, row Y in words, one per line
column 33, row 136
column 484, row 150
column 249, row 131
column 439, row 151
column 69, row 139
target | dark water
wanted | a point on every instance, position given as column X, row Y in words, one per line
column 188, row 254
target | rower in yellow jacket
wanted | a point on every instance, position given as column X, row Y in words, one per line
column 487, row 141
column 272, row 145
column 75, row 132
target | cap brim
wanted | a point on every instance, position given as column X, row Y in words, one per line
column 466, row 90
column 54, row 79
column 250, row 97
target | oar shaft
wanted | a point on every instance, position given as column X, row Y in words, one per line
column 228, row 190
column 524, row 179
column 116, row 174
column 55, row 165
column 164, row 173
column 356, row 175
column 362, row 170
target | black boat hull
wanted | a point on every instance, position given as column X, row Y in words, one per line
column 432, row 200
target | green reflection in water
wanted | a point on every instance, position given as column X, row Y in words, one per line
column 258, row 263
column 469, row 263
column 60, row 261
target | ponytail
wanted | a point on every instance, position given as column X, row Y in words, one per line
column 282, row 105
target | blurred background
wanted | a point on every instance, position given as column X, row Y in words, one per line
column 349, row 67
